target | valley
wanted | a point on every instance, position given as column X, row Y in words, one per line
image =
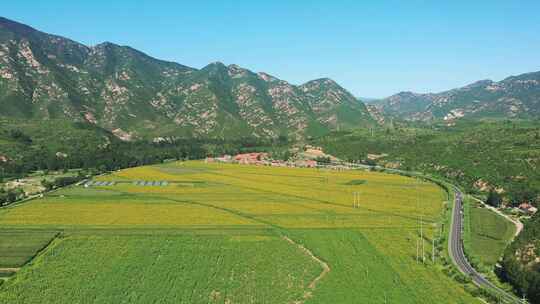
column 126, row 178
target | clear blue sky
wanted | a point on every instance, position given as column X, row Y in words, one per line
column 373, row 50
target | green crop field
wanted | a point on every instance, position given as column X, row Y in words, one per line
column 17, row 247
column 490, row 233
column 217, row 233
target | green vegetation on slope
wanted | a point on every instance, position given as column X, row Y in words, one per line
column 136, row 96
column 521, row 261
column 513, row 97
column 30, row 145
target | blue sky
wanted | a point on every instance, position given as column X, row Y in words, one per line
column 372, row 48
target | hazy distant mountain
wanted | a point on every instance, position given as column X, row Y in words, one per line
column 368, row 100
column 44, row 76
column 513, row 97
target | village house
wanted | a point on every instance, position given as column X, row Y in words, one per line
column 527, row 208
column 255, row 158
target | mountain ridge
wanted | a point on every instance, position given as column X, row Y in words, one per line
column 513, row 97
column 134, row 95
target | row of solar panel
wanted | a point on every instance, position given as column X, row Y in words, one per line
column 150, row 183
column 99, row 183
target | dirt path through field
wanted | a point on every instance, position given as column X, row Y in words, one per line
column 324, row 265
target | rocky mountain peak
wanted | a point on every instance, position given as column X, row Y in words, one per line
column 267, row 77
column 479, row 84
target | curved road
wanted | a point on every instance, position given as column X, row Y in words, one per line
column 455, row 245
column 455, row 248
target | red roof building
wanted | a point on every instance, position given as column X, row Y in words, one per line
column 250, row 158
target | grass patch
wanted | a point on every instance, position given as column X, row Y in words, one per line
column 355, row 182
column 490, row 234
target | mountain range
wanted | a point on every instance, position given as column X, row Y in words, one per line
column 133, row 95
column 516, row 97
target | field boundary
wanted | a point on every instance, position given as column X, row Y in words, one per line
column 325, row 268
column 516, row 222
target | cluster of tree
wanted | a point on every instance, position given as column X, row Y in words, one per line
column 522, row 191
column 61, row 181
column 19, row 136
column 494, row 199
column 519, row 267
column 118, row 155
column 323, row 160
column 10, row 196
column 61, row 145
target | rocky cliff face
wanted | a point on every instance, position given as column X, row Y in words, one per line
column 118, row 88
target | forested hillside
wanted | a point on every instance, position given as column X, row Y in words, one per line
column 521, row 266
column 26, row 146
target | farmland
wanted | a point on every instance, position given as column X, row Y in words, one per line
column 217, row 233
column 489, row 234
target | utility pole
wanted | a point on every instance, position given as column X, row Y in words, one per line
column 422, row 238
column 433, row 250
column 421, row 220
column 356, row 199
column 417, row 247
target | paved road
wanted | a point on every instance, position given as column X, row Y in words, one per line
column 455, row 247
